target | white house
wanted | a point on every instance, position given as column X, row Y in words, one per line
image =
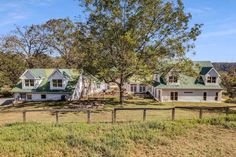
column 167, row 88
column 55, row 84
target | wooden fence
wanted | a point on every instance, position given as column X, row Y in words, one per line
column 115, row 110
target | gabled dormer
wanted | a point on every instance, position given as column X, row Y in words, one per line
column 172, row 79
column 211, row 77
column 58, row 80
column 30, row 80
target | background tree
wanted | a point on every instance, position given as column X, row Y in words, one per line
column 229, row 82
column 123, row 38
column 28, row 41
column 11, row 67
column 62, row 35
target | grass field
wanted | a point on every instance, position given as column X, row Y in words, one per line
column 104, row 114
column 207, row 137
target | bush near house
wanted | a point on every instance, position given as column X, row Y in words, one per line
column 5, row 91
column 232, row 100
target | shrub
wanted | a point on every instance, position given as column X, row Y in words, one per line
column 5, row 91
column 232, row 100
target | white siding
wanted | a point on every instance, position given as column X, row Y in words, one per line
column 56, row 75
column 27, row 75
column 37, row 97
column 196, row 96
column 212, row 73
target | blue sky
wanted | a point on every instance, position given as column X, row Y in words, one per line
column 216, row 43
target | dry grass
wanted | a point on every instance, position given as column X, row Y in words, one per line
column 104, row 114
column 202, row 141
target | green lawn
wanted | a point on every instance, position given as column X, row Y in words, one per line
column 207, row 137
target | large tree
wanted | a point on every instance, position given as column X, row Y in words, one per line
column 28, row 41
column 123, row 38
column 62, row 35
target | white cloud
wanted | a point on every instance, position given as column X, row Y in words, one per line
column 220, row 33
column 199, row 10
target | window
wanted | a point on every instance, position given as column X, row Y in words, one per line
column 188, row 92
column 57, row 83
column 211, row 79
column 133, row 88
column 174, row 96
column 217, row 96
column 43, row 96
column 98, row 85
column 29, row 83
column 205, row 96
column 29, row 96
column 173, row 79
column 142, row 88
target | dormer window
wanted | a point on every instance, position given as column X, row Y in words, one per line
column 173, row 79
column 57, row 83
column 211, row 79
column 29, row 83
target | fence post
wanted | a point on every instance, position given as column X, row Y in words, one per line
column 24, row 116
column 88, row 116
column 114, row 116
column 173, row 113
column 227, row 111
column 57, row 117
column 200, row 113
column 144, row 114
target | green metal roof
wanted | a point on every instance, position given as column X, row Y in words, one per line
column 44, row 86
column 189, row 82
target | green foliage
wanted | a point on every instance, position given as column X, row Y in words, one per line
column 11, row 67
column 229, row 82
column 28, row 41
column 79, row 139
column 5, row 91
column 62, row 35
column 130, row 37
column 232, row 100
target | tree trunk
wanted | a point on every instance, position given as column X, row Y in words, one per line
column 121, row 94
column 121, row 89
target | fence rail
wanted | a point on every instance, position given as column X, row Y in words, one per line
column 115, row 110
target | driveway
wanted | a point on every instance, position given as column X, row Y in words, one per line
column 6, row 101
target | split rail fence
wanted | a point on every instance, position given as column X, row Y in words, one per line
column 114, row 112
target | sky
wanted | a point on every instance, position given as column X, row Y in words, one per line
column 216, row 43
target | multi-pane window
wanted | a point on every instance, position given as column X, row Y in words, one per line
column 173, row 79
column 29, row 83
column 217, row 96
column 174, row 96
column 57, row 83
column 133, row 88
column 142, row 88
column 205, row 96
column 29, row 96
column 211, row 79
